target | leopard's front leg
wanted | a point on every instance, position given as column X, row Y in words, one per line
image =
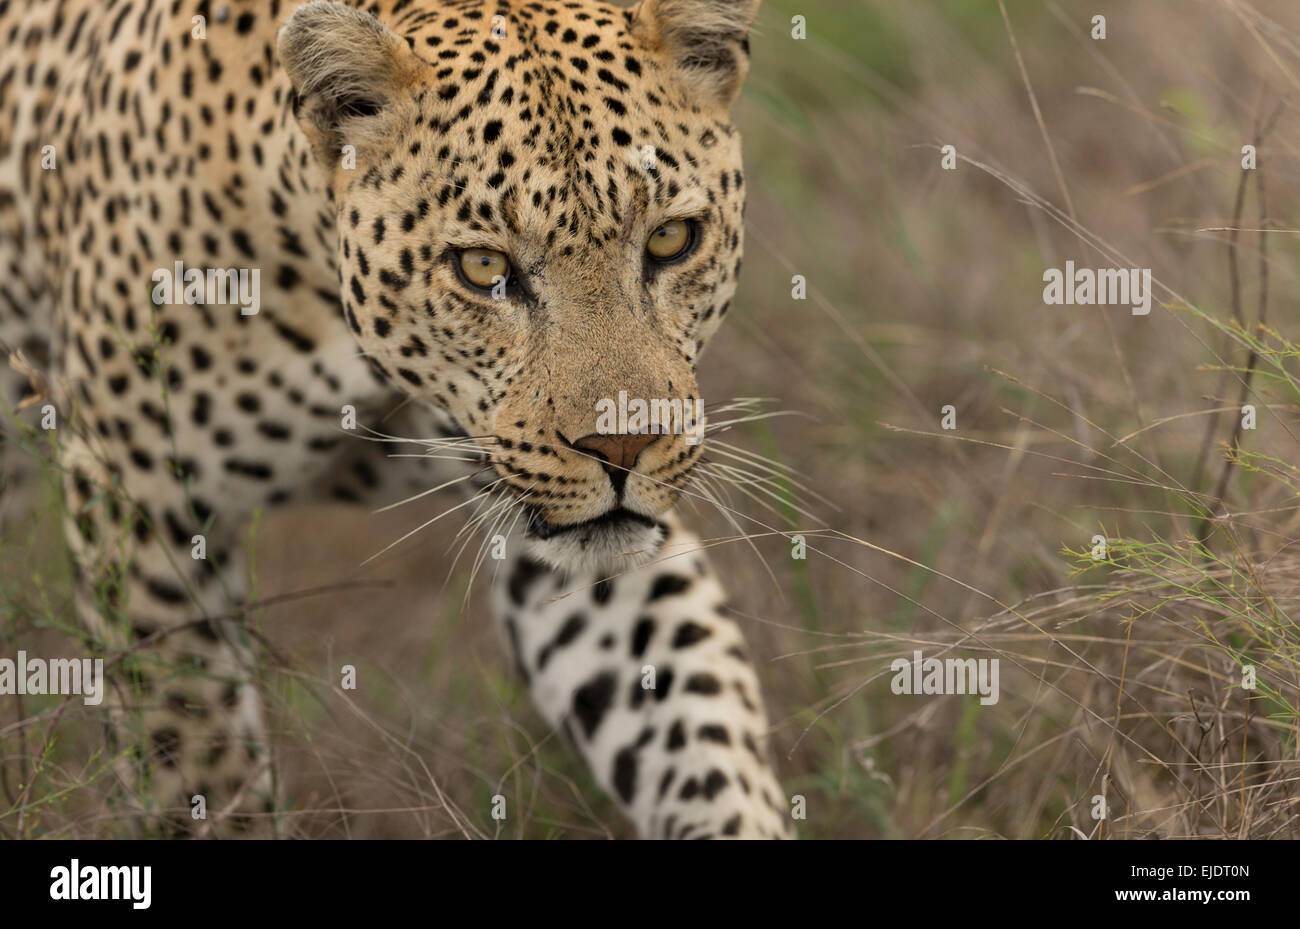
column 650, row 679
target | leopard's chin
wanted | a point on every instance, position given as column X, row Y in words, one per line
column 620, row 540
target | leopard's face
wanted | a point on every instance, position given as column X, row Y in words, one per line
column 543, row 223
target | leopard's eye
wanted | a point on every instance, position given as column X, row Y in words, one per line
column 482, row 266
column 671, row 240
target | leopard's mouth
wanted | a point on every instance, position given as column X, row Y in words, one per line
column 614, row 520
column 618, row 538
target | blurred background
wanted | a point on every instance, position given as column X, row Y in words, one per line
column 1120, row 677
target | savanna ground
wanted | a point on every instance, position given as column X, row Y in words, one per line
column 1120, row 678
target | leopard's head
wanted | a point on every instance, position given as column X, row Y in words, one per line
column 541, row 225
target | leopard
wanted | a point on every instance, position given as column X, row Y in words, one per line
column 465, row 224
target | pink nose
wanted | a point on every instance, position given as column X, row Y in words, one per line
column 620, row 451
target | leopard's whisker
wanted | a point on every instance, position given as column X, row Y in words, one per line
column 727, row 515
column 451, row 568
column 737, row 403
column 775, row 484
column 745, row 488
column 436, row 457
column 430, row 522
column 376, row 436
column 519, row 511
column 501, row 505
column 755, row 458
column 431, row 490
column 710, row 427
column 778, row 472
column 487, row 538
column 707, row 480
column 480, row 514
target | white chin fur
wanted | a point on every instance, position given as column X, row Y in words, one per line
column 603, row 549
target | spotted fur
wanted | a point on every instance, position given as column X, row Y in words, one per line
column 348, row 154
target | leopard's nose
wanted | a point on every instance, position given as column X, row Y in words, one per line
column 619, row 451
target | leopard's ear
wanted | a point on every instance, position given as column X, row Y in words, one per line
column 706, row 42
column 347, row 69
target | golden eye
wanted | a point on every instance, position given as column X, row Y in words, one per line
column 481, row 266
column 670, row 240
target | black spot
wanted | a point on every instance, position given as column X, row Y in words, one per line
column 167, row 746
column 625, row 765
column 666, row 781
column 254, row 469
column 592, row 699
column 703, row 683
column 526, row 571
column 667, row 585
column 688, row 633
column 164, row 591
column 215, row 752
column 676, row 736
column 714, row 783
column 713, row 733
column 663, row 684
column 645, row 627
column 602, row 591
column 185, row 706
column 180, row 534
column 571, row 629
column 202, row 410
column 206, row 629
column 273, row 430
column 608, row 77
